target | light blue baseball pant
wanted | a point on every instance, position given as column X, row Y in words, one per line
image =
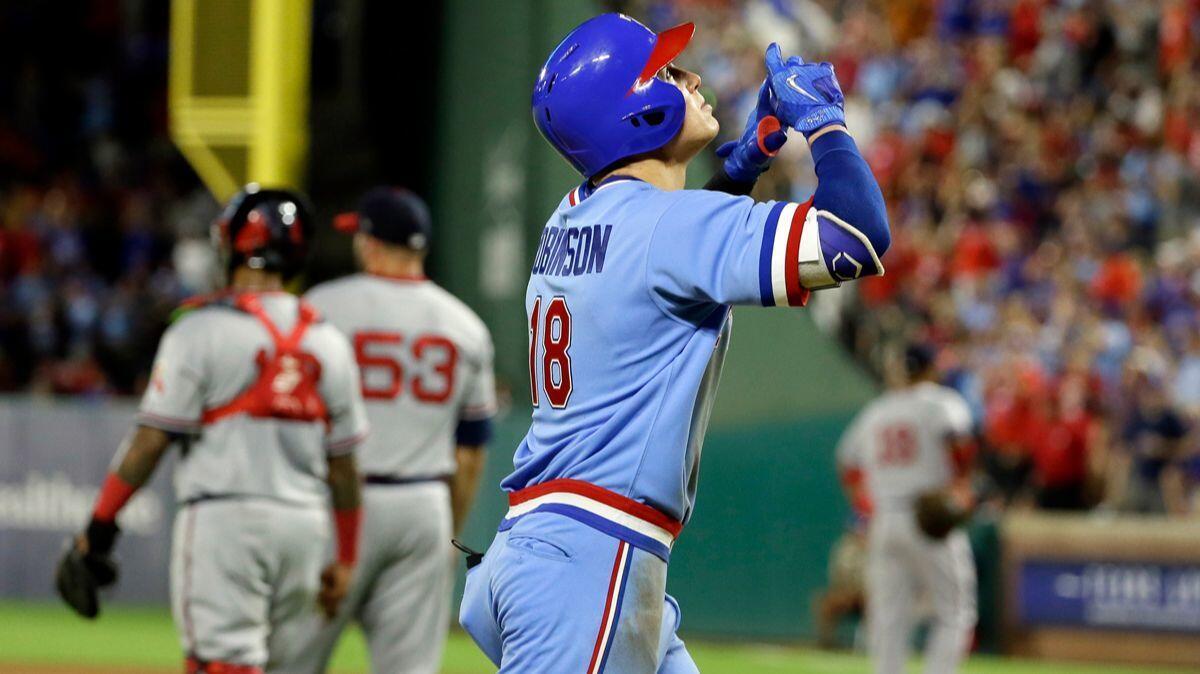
column 554, row 595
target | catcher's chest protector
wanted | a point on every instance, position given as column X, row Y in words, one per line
column 286, row 385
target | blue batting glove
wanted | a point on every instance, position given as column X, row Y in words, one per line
column 747, row 157
column 807, row 96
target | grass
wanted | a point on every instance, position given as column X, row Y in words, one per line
column 143, row 638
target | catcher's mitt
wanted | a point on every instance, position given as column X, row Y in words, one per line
column 938, row 514
column 80, row 575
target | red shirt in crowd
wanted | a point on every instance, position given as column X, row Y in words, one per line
column 1174, row 36
column 19, row 252
column 1060, row 451
column 974, row 252
column 1118, row 281
column 902, row 261
column 1024, row 29
column 887, row 156
column 1011, row 425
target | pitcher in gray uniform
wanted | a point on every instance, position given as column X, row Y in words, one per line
column 426, row 362
column 263, row 399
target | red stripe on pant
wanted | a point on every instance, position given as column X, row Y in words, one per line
column 195, row 666
column 613, row 588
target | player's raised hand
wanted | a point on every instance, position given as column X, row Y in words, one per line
column 806, row 96
column 751, row 154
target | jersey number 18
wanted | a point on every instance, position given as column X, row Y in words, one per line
column 552, row 333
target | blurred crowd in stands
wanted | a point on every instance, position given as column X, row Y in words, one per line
column 1040, row 160
column 97, row 209
column 1041, row 164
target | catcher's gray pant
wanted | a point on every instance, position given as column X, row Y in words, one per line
column 244, row 577
column 902, row 564
column 401, row 589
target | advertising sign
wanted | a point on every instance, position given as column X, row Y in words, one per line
column 1126, row 595
column 52, row 460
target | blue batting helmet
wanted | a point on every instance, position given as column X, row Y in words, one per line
column 597, row 99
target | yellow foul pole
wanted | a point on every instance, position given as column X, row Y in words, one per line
column 238, row 90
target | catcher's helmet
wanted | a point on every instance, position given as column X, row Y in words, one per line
column 265, row 229
column 597, row 99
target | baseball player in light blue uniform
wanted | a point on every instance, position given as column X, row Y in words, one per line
column 629, row 318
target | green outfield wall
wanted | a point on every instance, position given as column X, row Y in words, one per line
column 496, row 180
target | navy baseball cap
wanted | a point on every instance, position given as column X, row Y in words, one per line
column 390, row 214
column 919, row 358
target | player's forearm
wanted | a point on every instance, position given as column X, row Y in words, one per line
column 145, row 447
column 847, row 188
column 845, row 230
column 346, row 494
column 721, row 182
column 465, row 482
column 139, row 455
column 344, row 487
column 824, row 130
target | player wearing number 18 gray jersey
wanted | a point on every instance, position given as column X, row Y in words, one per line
column 426, row 362
column 912, row 441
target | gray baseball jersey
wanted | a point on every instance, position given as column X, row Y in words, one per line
column 426, row 362
column 245, row 570
column 207, row 358
column 899, row 442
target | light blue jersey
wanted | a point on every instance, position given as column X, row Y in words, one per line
column 629, row 319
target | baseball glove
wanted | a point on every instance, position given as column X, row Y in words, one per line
column 938, row 514
column 80, row 574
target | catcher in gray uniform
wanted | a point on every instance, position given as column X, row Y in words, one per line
column 426, row 363
column 263, row 399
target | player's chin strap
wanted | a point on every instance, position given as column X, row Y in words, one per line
column 832, row 250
